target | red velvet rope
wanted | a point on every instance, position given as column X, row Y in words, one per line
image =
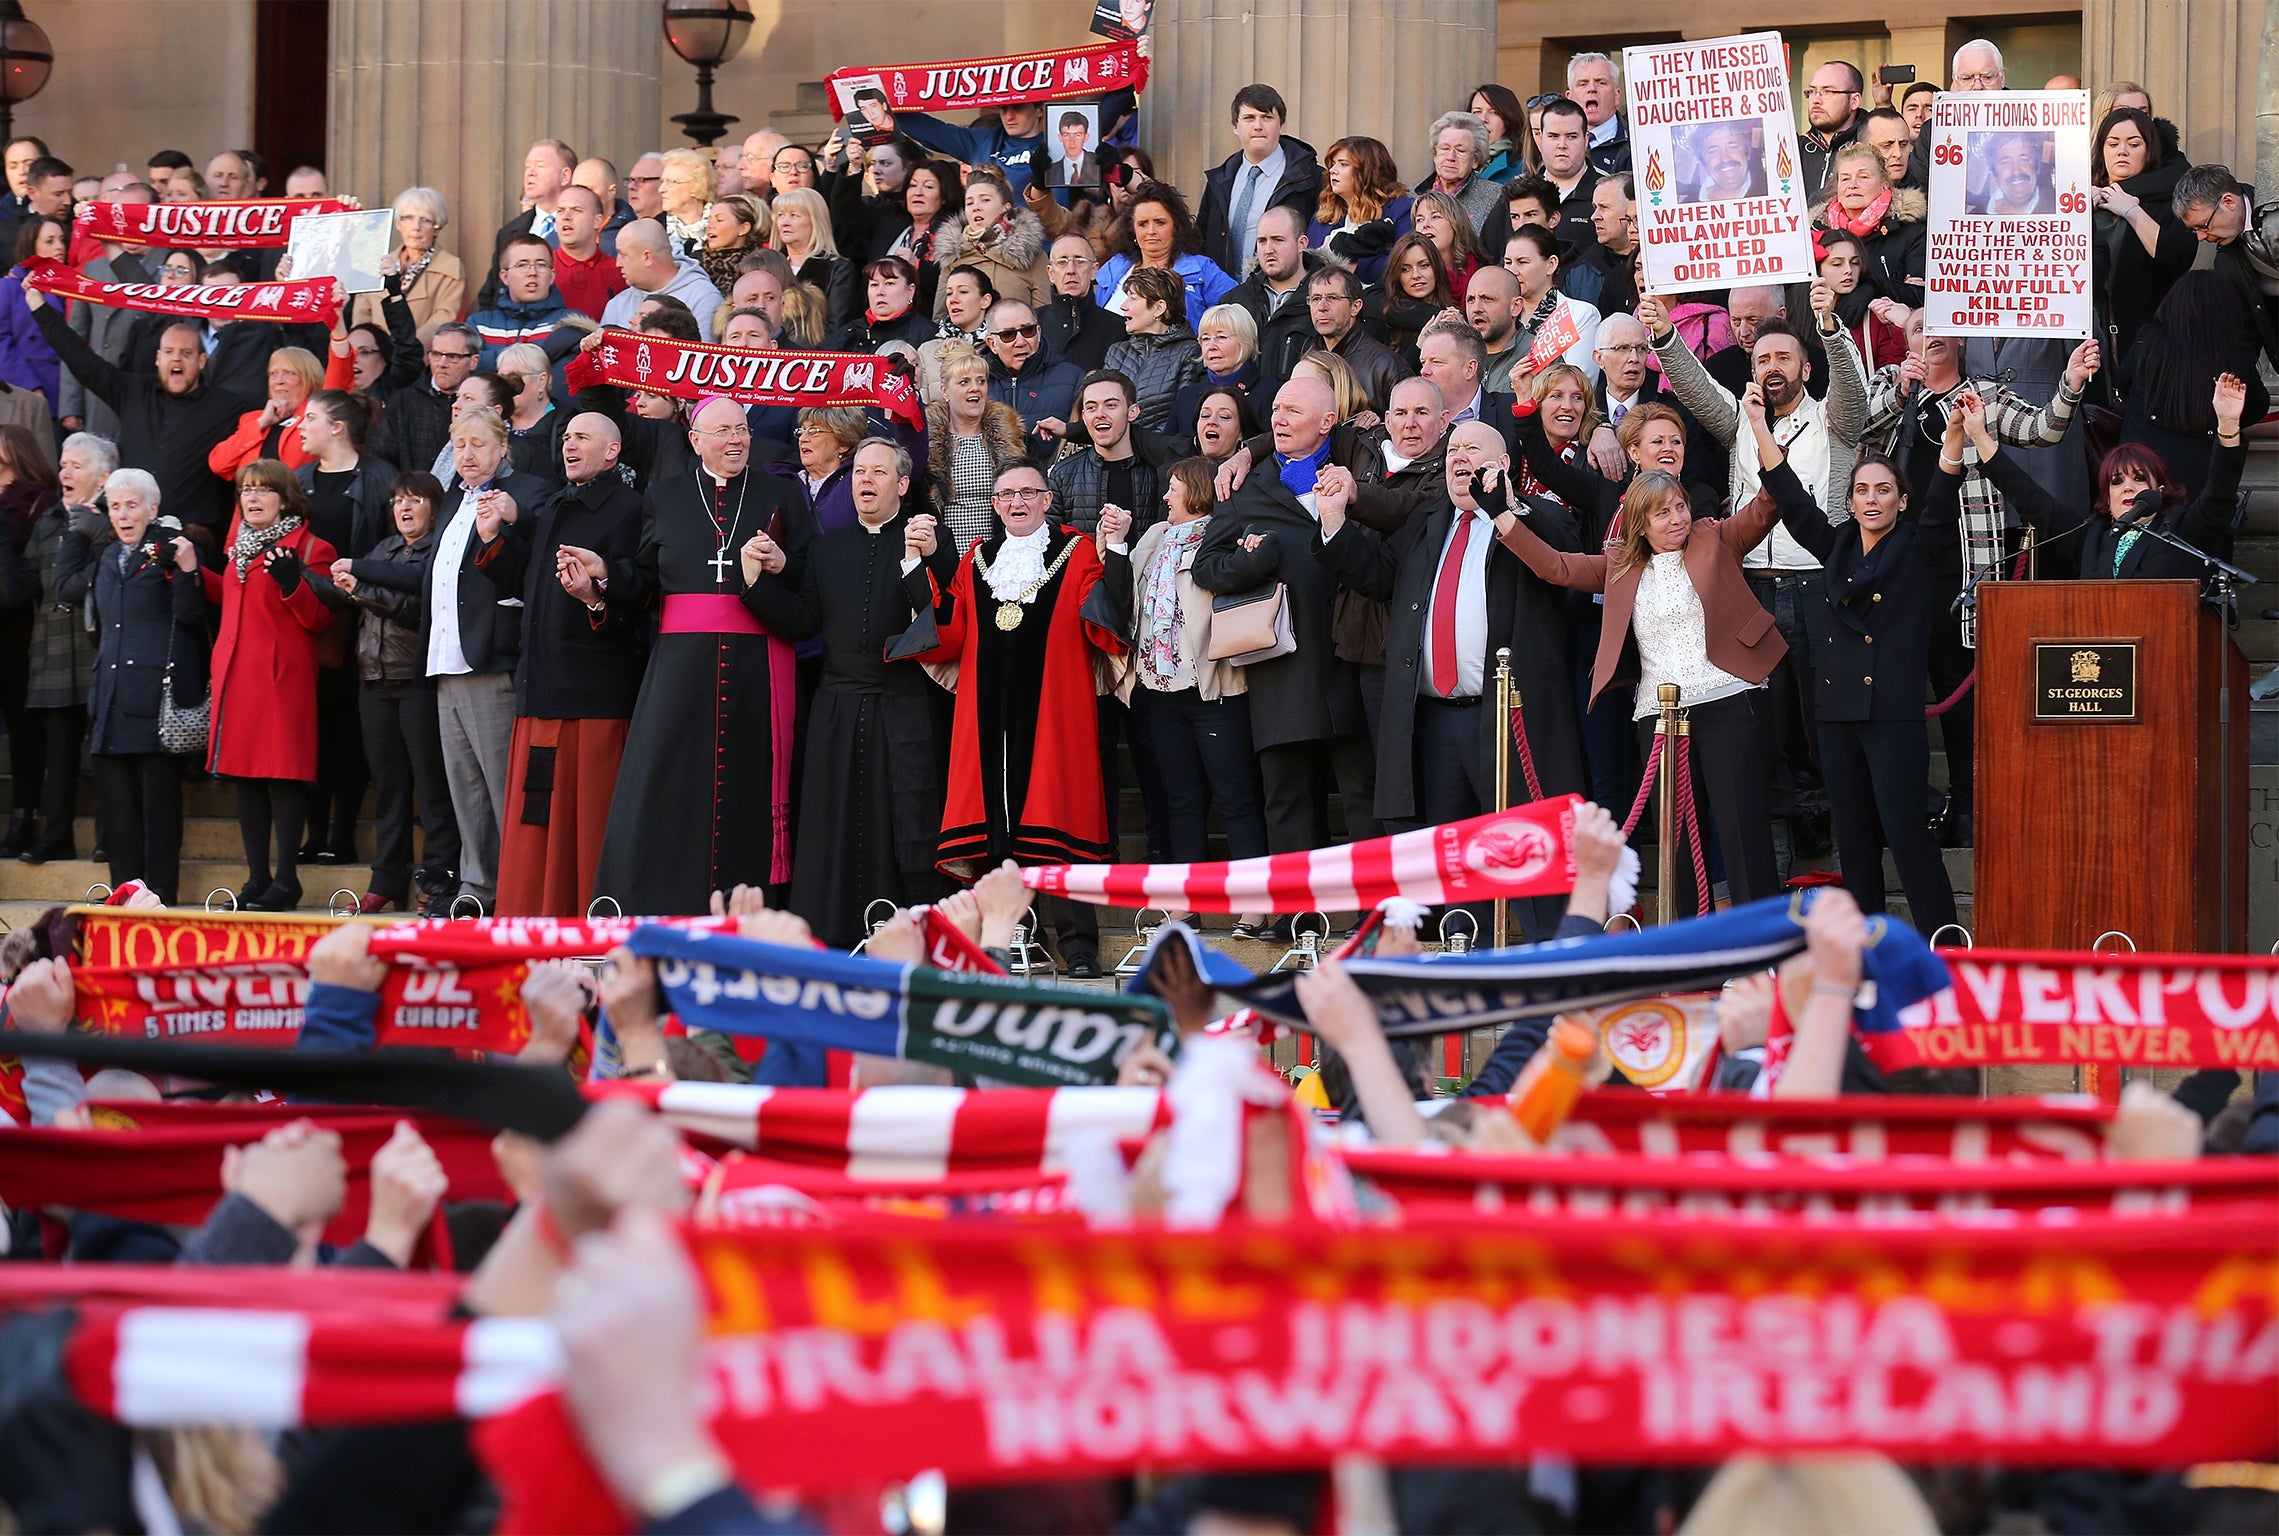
column 1526, row 755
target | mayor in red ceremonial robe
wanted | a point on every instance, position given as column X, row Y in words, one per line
column 1024, row 753
column 703, row 794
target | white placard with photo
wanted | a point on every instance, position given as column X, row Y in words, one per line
column 2009, row 225
column 1714, row 163
column 346, row 246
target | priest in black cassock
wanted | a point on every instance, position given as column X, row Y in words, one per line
column 704, row 792
column 870, row 804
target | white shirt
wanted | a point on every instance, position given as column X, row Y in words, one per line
column 1606, row 131
column 445, row 656
column 1394, row 463
column 1673, row 639
column 1243, row 240
column 1803, row 436
column 1617, row 408
column 1471, row 608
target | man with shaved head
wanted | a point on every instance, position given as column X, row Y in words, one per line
column 575, row 685
column 646, row 258
column 1456, row 596
column 703, row 794
column 1306, row 720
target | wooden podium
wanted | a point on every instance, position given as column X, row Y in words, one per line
column 2112, row 768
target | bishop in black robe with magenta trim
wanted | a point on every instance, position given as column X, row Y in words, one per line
column 703, row 795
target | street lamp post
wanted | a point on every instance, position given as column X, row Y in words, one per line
column 25, row 60
column 705, row 33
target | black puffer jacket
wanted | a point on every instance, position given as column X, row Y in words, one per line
column 1159, row 364
column 388, row 583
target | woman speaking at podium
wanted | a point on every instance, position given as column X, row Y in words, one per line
column 2138, row 494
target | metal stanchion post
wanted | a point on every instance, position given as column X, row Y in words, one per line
column 1666, row 796
column 2033, row 557
column 1503, row 770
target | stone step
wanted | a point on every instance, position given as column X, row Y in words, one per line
column 71, row 880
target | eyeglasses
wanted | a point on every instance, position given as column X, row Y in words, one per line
column 2200, row 227
column 636, row 181
column 1022, row 494
column 1544, row 100
column 454, row 357
column 1018, row 332
column 1978, row 80
column 810, row 431
column 370, row 352
column 532, row 266
column 408, row 501
column 1828, row 90
column 730, row 434
column 1627, row 348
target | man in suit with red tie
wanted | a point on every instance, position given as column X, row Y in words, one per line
column 1457, row 596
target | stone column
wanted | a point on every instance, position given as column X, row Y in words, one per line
column 2199, row 60
column 1384, row 68
column 451, row 93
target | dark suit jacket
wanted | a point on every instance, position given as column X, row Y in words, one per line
column 1874, row 662
column 1308, row 695
column 1525, row 613
column 1742, row 638
column 2205, row 522
column 1087, row 173
column 490, row 612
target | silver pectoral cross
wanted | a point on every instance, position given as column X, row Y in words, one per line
column 721, row 566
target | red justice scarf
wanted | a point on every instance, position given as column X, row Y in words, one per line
column 2030, row 1008
column 688, row 370
column 1049, row 74
column 310, row 302
column 242, row 979
column 258, row 222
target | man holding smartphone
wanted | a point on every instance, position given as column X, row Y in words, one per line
column 1832, row 107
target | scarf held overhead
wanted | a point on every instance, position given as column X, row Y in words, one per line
column 969, row 1022
column 1525, row 851
column 2030, row 1007
column 687, row 370
column 1048, row 74
column 256, row 223
column 242, row 979
column 308, row 302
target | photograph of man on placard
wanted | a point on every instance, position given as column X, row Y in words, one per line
column 2011, row 173
column 1076, row 141
column 862, row 98
column 1122, row 19
column 1726, row 160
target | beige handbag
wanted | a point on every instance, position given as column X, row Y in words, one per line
column 1254, row 626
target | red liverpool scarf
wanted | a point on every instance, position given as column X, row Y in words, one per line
column 1048, row 74
column 688, row 370
column 310, row 302
column 1525, row 851
column 207, row 226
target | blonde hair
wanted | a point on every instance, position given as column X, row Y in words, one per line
column 1236, row 322
column 806, row 314
column 1629, row 546
column 222, row 1476
column 692, row 163
column 755, row 213
column 1807, row 1496
column 1343, row 382
column 818, row 214
column 2114, row 90
column 304, row 364
column 525, row 361
column 1569, row 373
column 482, row 418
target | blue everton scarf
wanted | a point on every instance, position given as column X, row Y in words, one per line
column 1437, row 994
column 991, row 1026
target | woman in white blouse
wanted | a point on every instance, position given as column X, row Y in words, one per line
column 1674, row 582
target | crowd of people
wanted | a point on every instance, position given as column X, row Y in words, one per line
column 1245, row 492
column 1259, row 477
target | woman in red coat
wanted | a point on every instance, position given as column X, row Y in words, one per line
column 265, row 673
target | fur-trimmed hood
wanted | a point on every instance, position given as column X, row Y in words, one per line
column 1020, row 247
column 1000, row 428
column 1908, row 206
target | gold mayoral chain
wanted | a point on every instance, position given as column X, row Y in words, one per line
column 1010, row 612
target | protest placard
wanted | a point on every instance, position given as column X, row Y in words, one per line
column 2009, row 221
column 1720, row 188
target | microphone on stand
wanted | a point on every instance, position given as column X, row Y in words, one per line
column 2146, row 505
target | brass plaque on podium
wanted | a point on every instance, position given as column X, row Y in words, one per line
column 2085, row 680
